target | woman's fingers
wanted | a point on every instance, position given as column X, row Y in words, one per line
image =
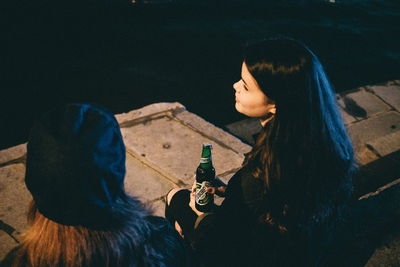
column 192, row 199
column 194, row 186
column 178, row 229
column 211, row 190
column 222, row 189
column 192, row 203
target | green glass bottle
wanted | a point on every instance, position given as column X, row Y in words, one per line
column 205, row 177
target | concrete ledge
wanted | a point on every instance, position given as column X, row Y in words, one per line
column 388, row 93
column 389, row 186
column 164, row 140
column 12, row 154
column 163, row 145
column 218, row 135
column 147, row 111
column 374, row 127
column 377, row 173
column 370, row 236
column 362, row 104
column 386, row 144
column 173, row 149
column 14, row 202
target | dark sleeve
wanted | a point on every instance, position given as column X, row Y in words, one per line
column 209, row 237
column 233, row 194
column 223, row 237
column 206, row 229
column 166, row 245
column 244, row 195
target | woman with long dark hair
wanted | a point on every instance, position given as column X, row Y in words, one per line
column 282, row 206
column 80, row 214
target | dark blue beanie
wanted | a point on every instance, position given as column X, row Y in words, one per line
column 75, row 165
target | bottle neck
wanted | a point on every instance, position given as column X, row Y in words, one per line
column 206, row 160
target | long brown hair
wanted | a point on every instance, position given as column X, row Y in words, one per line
column 47, row 243
column 303, row 154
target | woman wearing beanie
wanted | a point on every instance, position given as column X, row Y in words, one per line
column 80, row 214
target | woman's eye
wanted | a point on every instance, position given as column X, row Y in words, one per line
column 244, row 86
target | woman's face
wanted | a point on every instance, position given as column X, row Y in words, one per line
column 250, row 100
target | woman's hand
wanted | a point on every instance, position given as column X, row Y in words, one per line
column 192, row 202
column 218, row 189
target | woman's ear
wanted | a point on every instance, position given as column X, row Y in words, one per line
column 271, row 109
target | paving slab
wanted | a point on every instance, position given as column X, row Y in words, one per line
column 211, row 131
column 373, row 128
column 362, row 104
column 12, row 153
column 147, row 111
column 164, row 143
column 158, row 207
column 7, row 243
column 384, row 145
column 347, row 118
column 14, row 202
column 388, row 253
column 144, row 182
column 176, row 148
column 364, row 155
column 390, row 94
column 17, row 196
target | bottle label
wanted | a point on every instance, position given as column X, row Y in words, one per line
column 202, row 197
column 205, row 160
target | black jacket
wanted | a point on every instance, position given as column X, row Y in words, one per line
column 237, row 233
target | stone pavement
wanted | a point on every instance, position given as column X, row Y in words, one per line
column 164, row 141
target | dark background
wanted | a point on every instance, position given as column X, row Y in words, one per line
column 126, row 55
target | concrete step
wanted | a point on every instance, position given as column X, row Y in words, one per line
column 163, row 148
column 163, row 145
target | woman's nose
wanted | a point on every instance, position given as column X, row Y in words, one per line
column 235, row 86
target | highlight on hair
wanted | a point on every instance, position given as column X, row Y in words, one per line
column 47, row 243
column 303, row 154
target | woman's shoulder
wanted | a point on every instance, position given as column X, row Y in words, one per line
column 247, row 185
column 243, row 195
column 244, row 176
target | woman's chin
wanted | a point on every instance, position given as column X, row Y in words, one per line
column 237, row 107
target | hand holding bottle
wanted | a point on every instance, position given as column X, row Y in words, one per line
column 218, row 188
